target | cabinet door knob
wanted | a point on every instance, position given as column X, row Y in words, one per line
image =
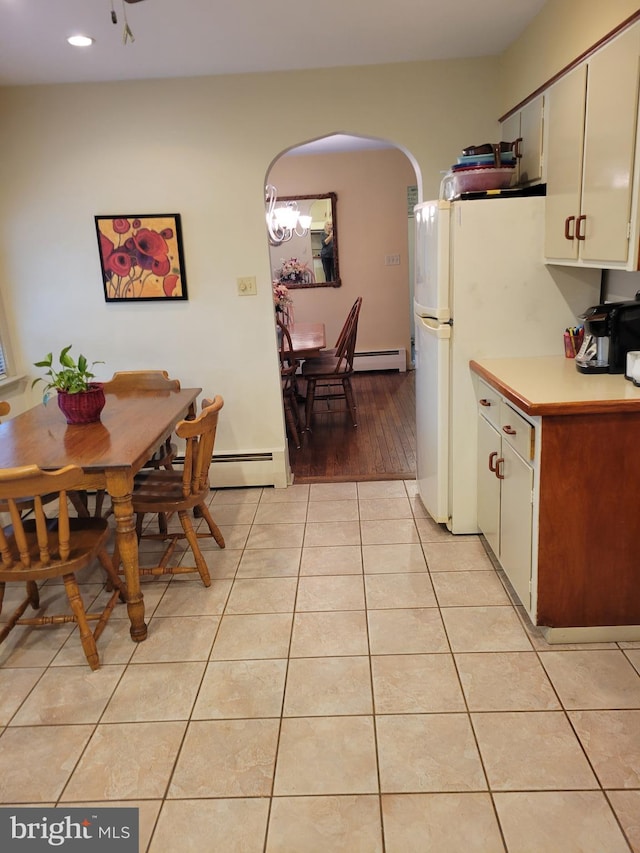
column 492, row 461
column 484, row 402
column 568, row 235
column 579, row 232
column 509, row 430
column 499, row 464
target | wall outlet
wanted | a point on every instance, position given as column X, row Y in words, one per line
column 247, row 286
column 392, row 260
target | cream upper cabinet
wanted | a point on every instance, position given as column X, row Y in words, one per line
column 526, row 126
column 591, row 120
column 565, row 132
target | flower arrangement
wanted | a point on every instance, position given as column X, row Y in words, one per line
column 283, row 303
column 281, row 298
column 291, row 271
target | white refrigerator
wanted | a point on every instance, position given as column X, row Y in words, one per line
column 481, row 290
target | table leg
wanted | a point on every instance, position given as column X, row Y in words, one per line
column 119, row 489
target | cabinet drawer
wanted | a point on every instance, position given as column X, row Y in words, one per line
column 489, row 403
column 517, row 431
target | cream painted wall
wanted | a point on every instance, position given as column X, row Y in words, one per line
column 371, row 188
column 562, row 31
column 201, row 147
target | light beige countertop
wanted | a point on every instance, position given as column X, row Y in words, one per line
column 551, row 385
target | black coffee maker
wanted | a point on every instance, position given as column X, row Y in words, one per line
column 611, row 331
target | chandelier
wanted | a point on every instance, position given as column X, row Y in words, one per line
column 127, row 34
column 284, row 220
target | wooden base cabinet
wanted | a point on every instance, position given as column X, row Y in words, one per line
column 563, row 519
column 588, row 563
column 505, row 489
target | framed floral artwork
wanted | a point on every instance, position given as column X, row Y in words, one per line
column 141, row 257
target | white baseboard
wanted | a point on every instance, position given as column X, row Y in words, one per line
column 237, row 470
column 388, row 359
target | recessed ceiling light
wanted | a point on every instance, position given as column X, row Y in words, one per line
column 80, row 41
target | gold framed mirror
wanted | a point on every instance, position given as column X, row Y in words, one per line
column 311, row 260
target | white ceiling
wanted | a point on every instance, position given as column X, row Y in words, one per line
column 182, row 38
column 339, row 143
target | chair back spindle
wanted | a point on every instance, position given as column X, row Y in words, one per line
column 199, row 434
column 52, row 538
column 347, row 344
column 353, row 312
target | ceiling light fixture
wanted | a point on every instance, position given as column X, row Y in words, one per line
column 127, row 34
column 80, row 41
column 284, row 221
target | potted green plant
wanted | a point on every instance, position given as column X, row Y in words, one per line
column 80, row 399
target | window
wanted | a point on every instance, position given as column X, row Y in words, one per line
column 5, row 349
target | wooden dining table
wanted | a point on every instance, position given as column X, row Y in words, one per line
column 307, row 339
column 132, row 426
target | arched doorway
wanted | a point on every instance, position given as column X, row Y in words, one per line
column 375, row 184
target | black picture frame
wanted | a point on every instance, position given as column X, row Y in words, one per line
column 141, row 257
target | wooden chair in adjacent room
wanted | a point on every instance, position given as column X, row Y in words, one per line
column 125, row 381
column 329, row 378
column 353, row 311
column 165, row 491
column 39, row 548
column 288, row 368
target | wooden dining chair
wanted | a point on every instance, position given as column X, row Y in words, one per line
column 124, row 381
column 147, row 380
column 166, row 491
column 26, row 503
column 39, row 548
column 288, row 368
column 353, row 311
column 330, row 378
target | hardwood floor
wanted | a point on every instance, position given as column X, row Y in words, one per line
column 382, row 447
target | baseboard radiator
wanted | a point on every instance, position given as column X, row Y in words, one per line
column 382, row 359
column 236, row 470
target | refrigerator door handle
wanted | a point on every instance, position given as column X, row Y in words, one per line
column 442, row 330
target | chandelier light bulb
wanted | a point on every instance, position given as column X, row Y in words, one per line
column 284, row 221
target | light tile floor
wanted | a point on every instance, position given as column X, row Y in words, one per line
column 355, row 679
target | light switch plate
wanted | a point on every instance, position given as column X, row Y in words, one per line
column 247, row 286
